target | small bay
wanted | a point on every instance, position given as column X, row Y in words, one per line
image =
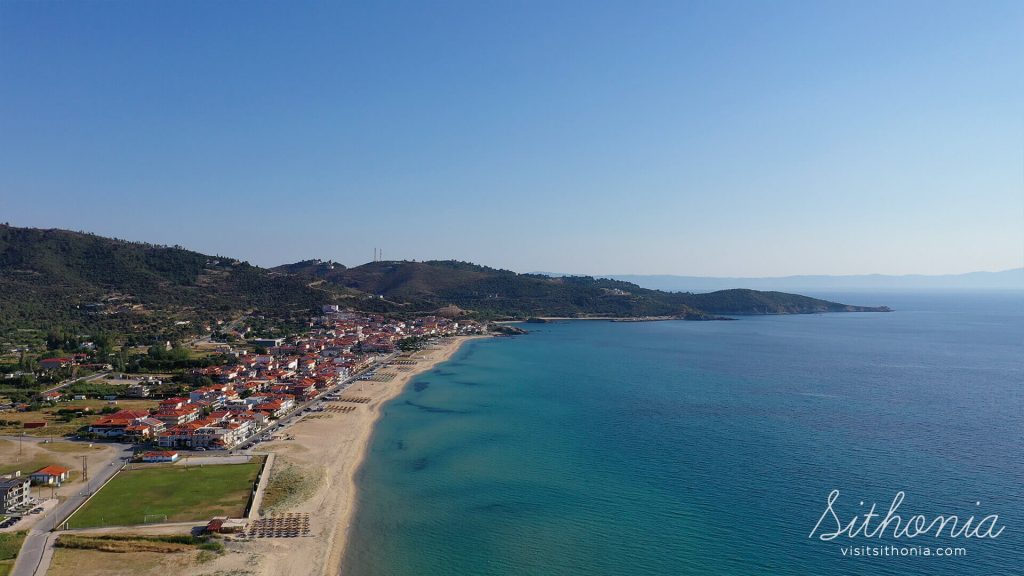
column 668, row 448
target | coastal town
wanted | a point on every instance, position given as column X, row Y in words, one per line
column 253, row 390
column 249, row 395
column 235, row 416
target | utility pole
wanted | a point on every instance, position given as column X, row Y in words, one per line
column 85, row 469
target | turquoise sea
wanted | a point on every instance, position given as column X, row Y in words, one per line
column 670, row 448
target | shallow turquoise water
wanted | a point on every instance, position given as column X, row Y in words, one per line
column 702, row 447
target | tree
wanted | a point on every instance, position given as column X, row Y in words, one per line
column 26, row 363
column 54, row 340
column 156, row 352
column 121, row 359
column 104, row 344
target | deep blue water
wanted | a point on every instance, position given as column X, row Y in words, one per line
column 672, row 448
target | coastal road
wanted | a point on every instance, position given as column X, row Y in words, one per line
column 38, row 547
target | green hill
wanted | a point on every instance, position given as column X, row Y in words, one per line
column 492, row 292
column 77, row 280
column 61, row 278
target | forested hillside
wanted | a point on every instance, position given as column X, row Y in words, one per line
column 75, row 280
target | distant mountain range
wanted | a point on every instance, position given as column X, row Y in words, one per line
column 1005, row 280
column 59, row 278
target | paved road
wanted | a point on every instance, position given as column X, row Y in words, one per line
column 30, row 558
column 67, row 383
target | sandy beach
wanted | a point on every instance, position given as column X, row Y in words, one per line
column 318, row 458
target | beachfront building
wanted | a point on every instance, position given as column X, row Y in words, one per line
column 275, row 405
column 223, row 429
column 222, row 435
column 52, row 475
column 14, row 493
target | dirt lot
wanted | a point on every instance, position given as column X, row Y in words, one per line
column 31, row 455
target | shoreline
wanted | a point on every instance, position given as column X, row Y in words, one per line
column 339, row 545
column 330, row 448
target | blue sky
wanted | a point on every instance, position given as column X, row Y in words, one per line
column 703, row 138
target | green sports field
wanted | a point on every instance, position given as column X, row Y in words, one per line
column 10, row 543
column 180, row 493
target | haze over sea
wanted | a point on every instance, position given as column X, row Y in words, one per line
column 669, row 448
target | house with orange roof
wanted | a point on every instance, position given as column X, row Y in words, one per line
column 160, row 456
column 275, row 405
column 173, row 403
column 179, row 436
column 54, row 396
column 188, row 412
column 52, row 475
column 126, row 423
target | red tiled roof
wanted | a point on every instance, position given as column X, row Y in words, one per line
column 53, row 470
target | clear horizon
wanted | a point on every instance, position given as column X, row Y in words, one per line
column 702, row 139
